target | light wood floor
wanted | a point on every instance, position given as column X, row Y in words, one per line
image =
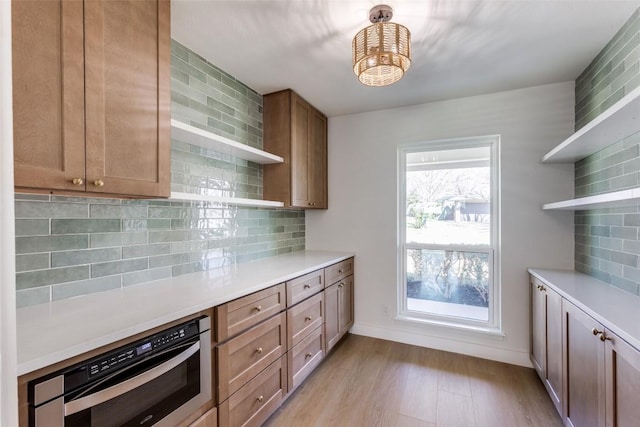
column 369, row 382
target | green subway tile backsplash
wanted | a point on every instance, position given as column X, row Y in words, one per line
column 607, row 244
column 87, row 256
column 612, row 74
column 68, row 246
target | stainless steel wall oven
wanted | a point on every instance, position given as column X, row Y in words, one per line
column 158, row 380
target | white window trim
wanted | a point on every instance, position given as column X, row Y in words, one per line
column 494, row 325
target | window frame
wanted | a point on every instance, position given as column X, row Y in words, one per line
column 493, row 325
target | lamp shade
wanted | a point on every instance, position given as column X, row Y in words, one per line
column 381, row 53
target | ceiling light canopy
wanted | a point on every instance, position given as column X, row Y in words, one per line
column 381, row 51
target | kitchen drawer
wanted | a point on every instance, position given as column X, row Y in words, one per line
column 338, row 271
column 305, row 357
column 243, row 357
column 258, row 399
column 304, row 318
column 303, row 287
column 210, row 419
column 243, row 313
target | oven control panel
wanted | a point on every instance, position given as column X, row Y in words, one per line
column 123, row 356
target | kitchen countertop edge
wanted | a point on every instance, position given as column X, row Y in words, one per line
column 615, row 308
column 56, row 331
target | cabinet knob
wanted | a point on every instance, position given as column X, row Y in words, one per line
column 341, row 285
column 604, row 338
column 257, row 308
column 307, row 286
column 260, row 399
column 77, row 181
column 340, row 271
column 594, row 331
column 259, row 350
column 308, row 355
column 307, row 319
column 98, row 183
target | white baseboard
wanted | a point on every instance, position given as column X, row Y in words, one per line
column 422, row 340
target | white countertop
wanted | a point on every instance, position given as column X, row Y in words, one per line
column 617, row 310
column 52, row 332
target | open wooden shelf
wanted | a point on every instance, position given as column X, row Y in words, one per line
column 617, row 122
column 202, row 138
column 615, row 199
column 177, row 196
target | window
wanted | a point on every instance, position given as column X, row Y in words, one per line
column 448, row 232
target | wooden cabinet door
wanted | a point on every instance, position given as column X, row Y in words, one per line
column 127, row 66
column 48, row 94
column 623, row 382
column 331, row 320
column 546, row 338
column 553, row 372
column 345, row 301
column 538, row 328
column 583, row 363
column 300, row 155
column 317, row 161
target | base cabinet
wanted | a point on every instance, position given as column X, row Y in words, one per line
column 258, row 399
column 270, row 341
column 338, row 311
column 210, row 419
column 584, row 370
column 305, row 357
column 600, row 371
column 602, row 374
column 546, row 339
column 622, row 367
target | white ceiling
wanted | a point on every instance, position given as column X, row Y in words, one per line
column 460, row 47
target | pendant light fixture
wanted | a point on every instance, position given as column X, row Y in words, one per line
column 381, row 51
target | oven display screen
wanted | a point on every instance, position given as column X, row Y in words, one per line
column 143, row 348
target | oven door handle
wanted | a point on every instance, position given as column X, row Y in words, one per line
column 102, row 396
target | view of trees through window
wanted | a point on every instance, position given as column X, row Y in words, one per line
column 448, row 232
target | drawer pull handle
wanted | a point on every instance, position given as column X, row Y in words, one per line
column 340, row 271
column 77, row 181
column 260, row 399
column 307, row 286
column 341, row 285
column 259, row 350
column 257, row 308
column 308, row 355
column 307, row 319
column 604, row 338
column 594, row 331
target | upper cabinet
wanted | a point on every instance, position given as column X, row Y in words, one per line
column 296, row 131
column 91, row 96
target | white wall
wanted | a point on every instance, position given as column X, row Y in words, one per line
column 362, row 206
column 8, row 372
